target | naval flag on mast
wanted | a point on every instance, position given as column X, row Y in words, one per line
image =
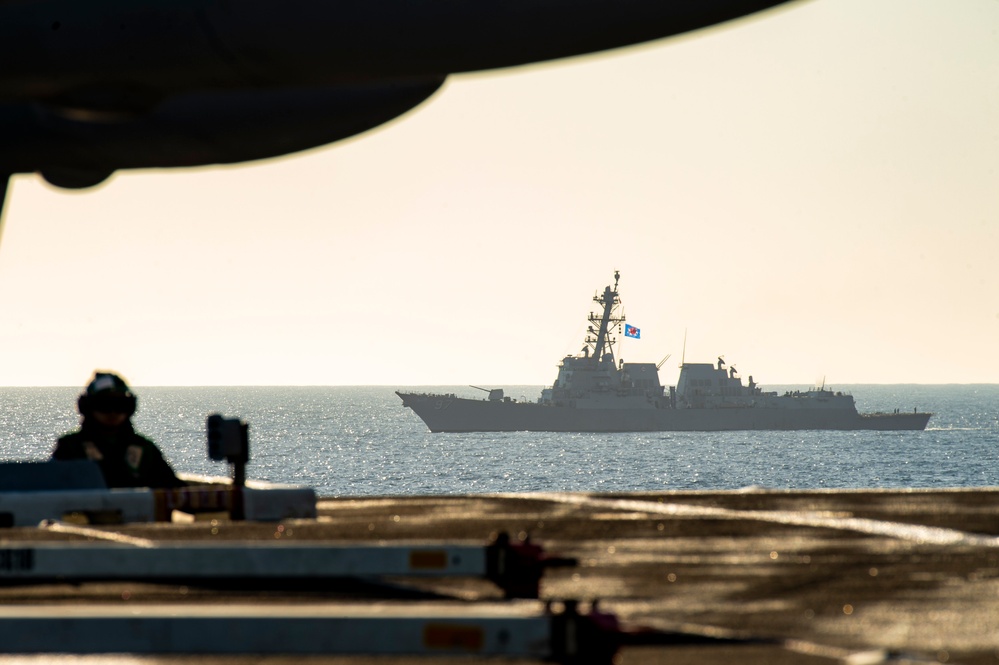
column 632, row 331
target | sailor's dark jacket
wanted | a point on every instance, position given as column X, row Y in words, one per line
column 126, row 459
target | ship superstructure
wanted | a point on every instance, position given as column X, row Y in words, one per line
column 593, row 378
column 595, row 392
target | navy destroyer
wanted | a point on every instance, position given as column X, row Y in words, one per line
column 595, row 393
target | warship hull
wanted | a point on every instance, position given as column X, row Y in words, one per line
column 449, row 413
column 596, row 392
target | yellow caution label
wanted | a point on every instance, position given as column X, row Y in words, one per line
column 424, row 559
column 453, row 637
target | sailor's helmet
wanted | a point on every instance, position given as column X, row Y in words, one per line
column 107, row 392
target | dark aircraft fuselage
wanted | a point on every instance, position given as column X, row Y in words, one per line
column 90, row 87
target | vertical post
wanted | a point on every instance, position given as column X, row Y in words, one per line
column 239, row 458
column 229, row 439
column 237, row 511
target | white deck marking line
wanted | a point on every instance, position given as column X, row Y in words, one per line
column 90, row 532
column 928, row 535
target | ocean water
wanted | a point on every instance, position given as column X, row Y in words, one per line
column 353, row 441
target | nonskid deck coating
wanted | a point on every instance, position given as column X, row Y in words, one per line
column 833, row 576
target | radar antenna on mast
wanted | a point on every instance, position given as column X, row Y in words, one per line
column 606, row 322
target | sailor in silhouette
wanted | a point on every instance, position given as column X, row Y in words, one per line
column 106, row 436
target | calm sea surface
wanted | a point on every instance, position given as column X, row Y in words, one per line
column 347, row 441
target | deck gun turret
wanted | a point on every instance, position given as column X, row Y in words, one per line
column 495, row 394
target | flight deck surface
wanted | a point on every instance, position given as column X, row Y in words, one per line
column 787, row 576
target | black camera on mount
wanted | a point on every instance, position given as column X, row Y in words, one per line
column 228, row 439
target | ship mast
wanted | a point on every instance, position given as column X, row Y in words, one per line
column 609, row 300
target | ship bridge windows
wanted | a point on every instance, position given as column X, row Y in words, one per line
column 645, row 384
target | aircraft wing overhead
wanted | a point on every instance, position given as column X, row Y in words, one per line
column 413, row 38
column 91, row 87
column 210, row 127
column 104, row 49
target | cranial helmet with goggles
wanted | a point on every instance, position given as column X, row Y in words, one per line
column 107, row 393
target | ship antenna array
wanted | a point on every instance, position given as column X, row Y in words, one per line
column 609, row 300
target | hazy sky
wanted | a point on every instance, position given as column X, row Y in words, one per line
column 813, row 194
